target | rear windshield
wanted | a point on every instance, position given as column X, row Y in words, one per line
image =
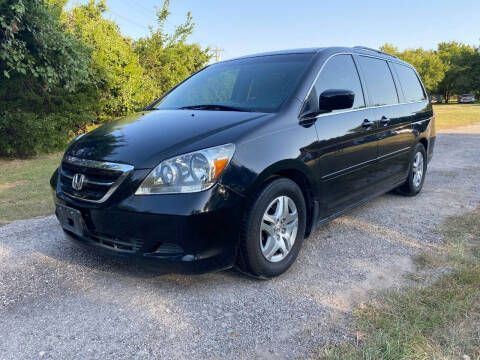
column 254, row 84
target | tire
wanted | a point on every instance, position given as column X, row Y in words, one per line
column 256, row 254
column 412, row 185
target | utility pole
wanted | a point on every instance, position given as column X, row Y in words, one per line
column 217, row 52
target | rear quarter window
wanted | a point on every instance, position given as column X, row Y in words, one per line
column 412, row 89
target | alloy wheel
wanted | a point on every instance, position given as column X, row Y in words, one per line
column 278, row 230
column 417, row 169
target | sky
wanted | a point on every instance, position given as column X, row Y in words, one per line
column 245, row 27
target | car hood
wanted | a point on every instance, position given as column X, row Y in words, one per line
column 147, row 138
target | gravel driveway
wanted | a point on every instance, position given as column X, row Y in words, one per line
column 58, row 301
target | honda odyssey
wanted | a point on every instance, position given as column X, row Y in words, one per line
column 237, row 165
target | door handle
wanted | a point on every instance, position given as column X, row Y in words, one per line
column 384, row 120
column 367, row 123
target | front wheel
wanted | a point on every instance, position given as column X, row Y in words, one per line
column 273, row 230
column 416, row 176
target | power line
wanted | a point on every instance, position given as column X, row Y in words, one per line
column 127, row 19
column 139, row 7
column 145, row 12
column 142, row 7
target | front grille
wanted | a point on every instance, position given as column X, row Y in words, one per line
column 99, row 179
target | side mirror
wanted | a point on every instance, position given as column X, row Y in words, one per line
column 336, row 99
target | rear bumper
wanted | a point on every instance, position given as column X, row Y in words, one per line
column 183, row 233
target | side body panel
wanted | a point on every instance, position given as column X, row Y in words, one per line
column 396, row 139
column 397, row 135
column 346, row 158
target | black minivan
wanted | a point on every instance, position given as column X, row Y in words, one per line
column 237, row 164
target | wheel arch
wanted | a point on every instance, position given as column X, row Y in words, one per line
column 300, row 174
column 424, row 141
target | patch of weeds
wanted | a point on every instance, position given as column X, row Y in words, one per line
column 439, row 321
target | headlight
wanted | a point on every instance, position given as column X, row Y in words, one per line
column 188, row 173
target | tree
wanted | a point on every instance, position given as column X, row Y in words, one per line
column 470, row 80
column 36, row 50
column 428, row 64
column 47, row 91
column 61, row 70
column 115, row 64
column 167, row 58
column 457, row 59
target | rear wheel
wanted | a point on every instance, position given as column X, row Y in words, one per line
column 273, row 230
column 416, row 176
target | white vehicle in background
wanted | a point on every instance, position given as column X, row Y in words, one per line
column 466, row 99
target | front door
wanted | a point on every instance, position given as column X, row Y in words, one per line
column 347, row 143
column 347, row 152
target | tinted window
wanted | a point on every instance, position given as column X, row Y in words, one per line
column 411, row 86
column 338, row 73
column 256, row 84
column 380, row 86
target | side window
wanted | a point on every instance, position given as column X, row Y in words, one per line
column 410, row 83
column 338, row 73
column 378, row 78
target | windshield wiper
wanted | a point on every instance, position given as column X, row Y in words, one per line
column 217, row 107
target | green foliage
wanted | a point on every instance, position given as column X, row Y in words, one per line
column 115, row 65
column 47, row 91
column 62, row 70
column 428, row 64
column 458, row 59
column 453, row 68
column 35, row 47
column 130, row 74
column 38, row 123
column 469, row 79
column 166, row 58
column 461, row 61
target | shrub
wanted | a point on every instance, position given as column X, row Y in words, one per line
column 46, row 89
column 33, row 123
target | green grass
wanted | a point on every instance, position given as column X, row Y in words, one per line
column 24, row 187
column 439, row 321
column 450, row 116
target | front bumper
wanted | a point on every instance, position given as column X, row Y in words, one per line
column 181, row 233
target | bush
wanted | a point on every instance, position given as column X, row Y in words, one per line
column 47, row 90
column 33, row 123
column 62, row 70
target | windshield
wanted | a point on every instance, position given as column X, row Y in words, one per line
column 258, row 84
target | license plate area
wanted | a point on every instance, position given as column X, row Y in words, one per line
column 70, row 219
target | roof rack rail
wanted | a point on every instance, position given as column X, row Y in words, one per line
column 374, row 50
